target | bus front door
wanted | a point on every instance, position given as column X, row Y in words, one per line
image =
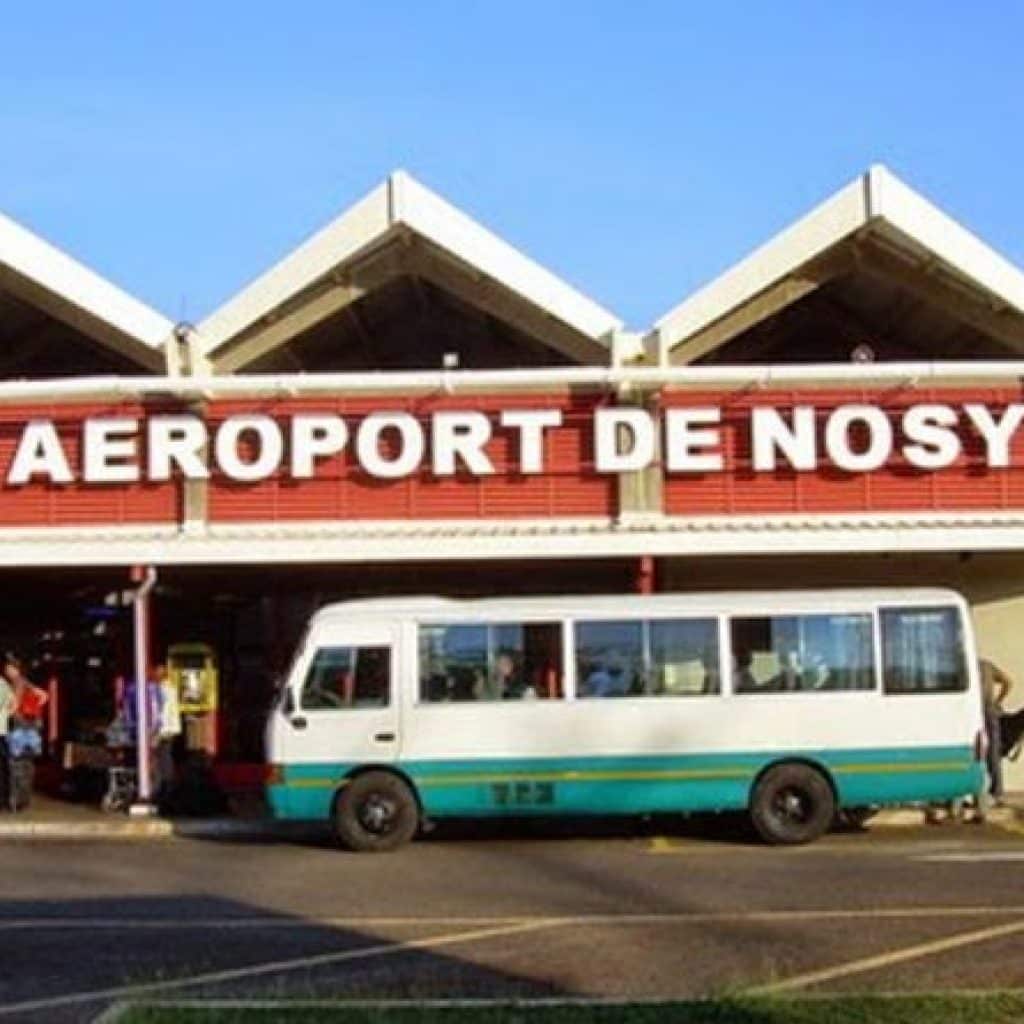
column 344, row 710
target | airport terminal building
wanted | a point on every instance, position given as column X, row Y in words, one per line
column 407, row 404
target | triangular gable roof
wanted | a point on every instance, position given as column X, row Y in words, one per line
column 876, row 208
column 323, row 275
column 44, row 276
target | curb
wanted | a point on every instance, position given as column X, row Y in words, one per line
column 910, row 817
column 1010, row 817
column 212, row 828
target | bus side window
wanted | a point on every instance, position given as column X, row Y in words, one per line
column 802, row 653
column 684, row 657
column 490, row 663
column 453, row 663
column 609, row 658
column 647, row 658
column 526, row 660
column 923, row 650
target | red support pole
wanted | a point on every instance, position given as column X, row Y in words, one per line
column 53, row 713
column 646, row 575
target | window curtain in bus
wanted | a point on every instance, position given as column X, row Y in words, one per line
column 921, row 650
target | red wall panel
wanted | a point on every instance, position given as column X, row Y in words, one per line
column 77, row 504
column 341, row 490
column 569, row 486
column 897, row 487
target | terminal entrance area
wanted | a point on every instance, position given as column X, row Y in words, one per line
column 225, row 636
column 74, row 634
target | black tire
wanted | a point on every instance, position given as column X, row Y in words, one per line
column 792, row 804
column 375, row 812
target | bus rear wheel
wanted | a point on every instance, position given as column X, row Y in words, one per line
column 792, row 804
column 375, row 813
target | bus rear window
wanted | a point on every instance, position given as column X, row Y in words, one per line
column 923, row 650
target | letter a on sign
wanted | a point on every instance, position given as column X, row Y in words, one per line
column 39, row 453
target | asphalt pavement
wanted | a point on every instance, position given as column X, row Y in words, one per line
column 573, row 911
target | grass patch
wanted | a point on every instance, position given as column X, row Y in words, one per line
column 973, row 1008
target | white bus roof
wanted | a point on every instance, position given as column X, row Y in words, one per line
column 613, row 605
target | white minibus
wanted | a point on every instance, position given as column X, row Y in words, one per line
column 789, row 706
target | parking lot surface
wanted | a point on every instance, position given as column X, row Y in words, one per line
column 574, row 911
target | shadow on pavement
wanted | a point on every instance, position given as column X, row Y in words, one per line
column 56, row 949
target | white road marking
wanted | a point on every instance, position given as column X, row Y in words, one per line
column 495, row 928
column 972, row 858
column 123, row 992
column 661, row 846
column 895, row 956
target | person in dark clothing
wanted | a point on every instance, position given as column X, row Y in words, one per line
column 995, row 687
column 7, row 705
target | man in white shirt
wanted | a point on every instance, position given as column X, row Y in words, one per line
column 167, row 731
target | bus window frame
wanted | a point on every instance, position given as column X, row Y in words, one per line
column 790, row 612
column 646, row 698
column 968, row 651
column 488, row 623
column 299, row 683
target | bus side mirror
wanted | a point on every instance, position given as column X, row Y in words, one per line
column 288, row 704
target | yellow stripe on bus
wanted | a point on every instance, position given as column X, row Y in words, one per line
column 923, row 766
column 635, row 775
column 584, row 776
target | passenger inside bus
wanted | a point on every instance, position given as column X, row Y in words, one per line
column 743, row 680
column 609, row 678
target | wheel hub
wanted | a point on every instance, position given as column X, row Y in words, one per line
column 377, row 814
column 792, row 806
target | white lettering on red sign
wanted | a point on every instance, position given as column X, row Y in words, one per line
column 855, row 437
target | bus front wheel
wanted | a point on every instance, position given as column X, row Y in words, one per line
column 792, row 804
column 375, row 812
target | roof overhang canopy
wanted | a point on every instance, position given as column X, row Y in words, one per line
column 403, row 229
column 35, row 273
column 877, row 234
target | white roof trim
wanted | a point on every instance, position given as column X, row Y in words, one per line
column 878, row 195
column 437, row 220
column 47, row 267
column 545, row 379
column 462, row 540
column 402, row 202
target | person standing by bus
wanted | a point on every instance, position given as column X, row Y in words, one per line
column 995, row 688
column 7, row 703
column 24, row 735
column 168, row 731
column 153, row 712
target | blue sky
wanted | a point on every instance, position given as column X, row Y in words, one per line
column 636, row 149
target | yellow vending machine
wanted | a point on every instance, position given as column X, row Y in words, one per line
column 192, row 668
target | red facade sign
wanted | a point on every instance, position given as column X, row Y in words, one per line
column 968, row 484
column 568, row 484
column 41, row 503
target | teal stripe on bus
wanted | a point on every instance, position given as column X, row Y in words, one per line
column 637, row 784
